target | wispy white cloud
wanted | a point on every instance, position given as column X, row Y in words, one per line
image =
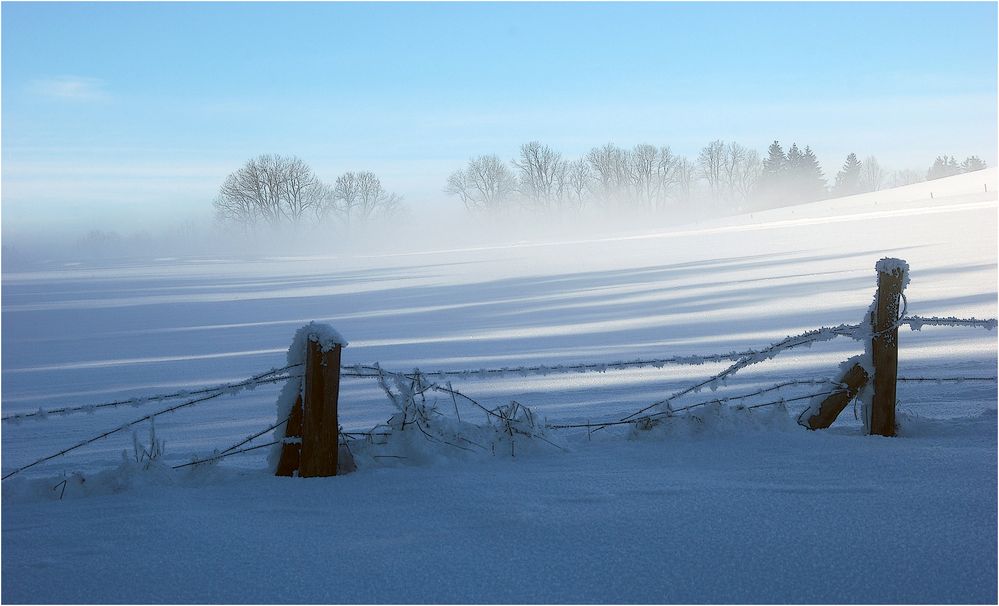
column 72, row 88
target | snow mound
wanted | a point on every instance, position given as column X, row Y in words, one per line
column 719, row 420
column 129, row 475
column 914, row 425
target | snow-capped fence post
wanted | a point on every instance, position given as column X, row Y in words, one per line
column 892, row 279
column 310, row 444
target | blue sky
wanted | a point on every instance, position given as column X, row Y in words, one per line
column 132, row 114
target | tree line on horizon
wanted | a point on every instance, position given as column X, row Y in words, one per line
column 277, row 191
column 652, row 178
column 274, row 191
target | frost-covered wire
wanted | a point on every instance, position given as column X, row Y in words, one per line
column 253, row 437
column 918, row 322
column 361, row 371
column 224, row 455
column 408, row 395
column 947, row 379
column 377, row 371
column 722, row 400
column 217, row 455
column 899, row 318
column 855, row 331
column 110, row 432
column 227, row 388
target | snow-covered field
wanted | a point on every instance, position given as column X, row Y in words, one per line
column 728, row 507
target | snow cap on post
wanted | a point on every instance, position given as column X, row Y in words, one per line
column 890, row 265
column 324, row 334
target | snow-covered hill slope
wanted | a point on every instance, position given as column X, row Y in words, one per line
column 727, row 508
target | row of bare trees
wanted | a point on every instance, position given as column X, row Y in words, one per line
column 650, row 177
column 542, row 178
column 276, row 191
column 645, row 177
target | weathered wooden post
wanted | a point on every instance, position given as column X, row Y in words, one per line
column 893, row 276
column 320, row 427
column 291, row 449
column 311, row 437
column 855, row 378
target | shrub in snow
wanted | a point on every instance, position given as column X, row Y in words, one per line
column 147, row 454
column 421, row 431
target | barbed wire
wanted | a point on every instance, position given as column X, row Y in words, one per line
column 719, row 400
column 230, row 388
column 917, row 322
column 805, row 338
column 947, row 379
column 217, row 455
column 369, row 372
column 857, row 331
column 741, row 360
column 581, row 367
column 110, row 432
column 416, row 374
column 228, row 454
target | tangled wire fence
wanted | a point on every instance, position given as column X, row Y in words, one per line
column 511, row 419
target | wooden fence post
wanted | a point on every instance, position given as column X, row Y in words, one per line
column 291, row 452
column 320, row 426
column 855, row 378
column 884, row 344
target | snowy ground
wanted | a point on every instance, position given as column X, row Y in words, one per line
column 729, row 508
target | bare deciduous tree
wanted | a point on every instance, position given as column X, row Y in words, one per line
column 686, row 176
column 579, row 178
column 710, row 162
column 271, row 189
column 742, row 169
column 732, row 159
column 542, row 175
column 610, row 168
column 485, row 184
column 905, row 176
column 303, row 191
column 652, row 171
column 872, row 176
column 359, row 197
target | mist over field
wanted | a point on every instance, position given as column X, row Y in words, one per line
column 277, row 205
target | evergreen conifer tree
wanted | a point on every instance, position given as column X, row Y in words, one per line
column 943, row 166
column 794, row 158
column 770, row 190
column 792, row 182
column 972, row 163
column 776, row 161
column 848, row 179
column 813, row 180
